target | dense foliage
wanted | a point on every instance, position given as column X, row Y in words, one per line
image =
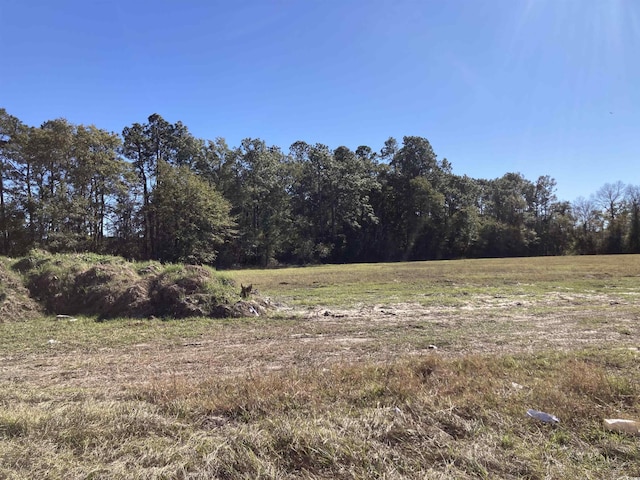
column 158, row 192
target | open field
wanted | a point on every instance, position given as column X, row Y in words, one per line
column 342, row 380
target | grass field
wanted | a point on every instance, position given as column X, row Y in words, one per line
column 406, row 370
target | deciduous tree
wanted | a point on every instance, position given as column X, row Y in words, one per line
column 193, row 218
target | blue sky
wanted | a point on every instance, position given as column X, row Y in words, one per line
column 541, row 87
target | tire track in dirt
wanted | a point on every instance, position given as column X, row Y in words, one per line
column 320, row 337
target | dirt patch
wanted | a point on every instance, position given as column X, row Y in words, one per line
column 311, row 339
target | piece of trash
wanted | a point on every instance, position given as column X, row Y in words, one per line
column 432, row 347
column 52, row 341
column 66, row 317
column 542, row 416
column 517, row 386
column 631, row 427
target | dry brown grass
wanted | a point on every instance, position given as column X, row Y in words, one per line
column 444, row 418
column 342, row 390
column 15, row 302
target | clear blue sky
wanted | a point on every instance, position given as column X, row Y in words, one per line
column 534, row 86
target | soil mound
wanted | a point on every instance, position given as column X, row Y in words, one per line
column 15, row 302
column 109, row 287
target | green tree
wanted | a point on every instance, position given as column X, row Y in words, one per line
column 260, row 202
column 97, row 180
column 50, row 156
column 545, row 212
column 559, row 236
column 611, row 199
column 462, row 219
column 216, row 164
column 331, row 201
column 589, row 225
column 415, row 158
column 315, row 177
column 147, row 146
column 12, row 137
column 69, row 177
column 416, row 202
column 126, row 225
column 633, row 201
column 136, row 147
column 507, row 217
column 193, row 218
column 353, row 214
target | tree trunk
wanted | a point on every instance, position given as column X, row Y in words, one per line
column 3, row 215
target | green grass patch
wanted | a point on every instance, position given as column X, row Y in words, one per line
column 448, row 282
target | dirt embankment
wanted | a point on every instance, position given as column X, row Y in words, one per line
column 110, row 287
column 15, row 302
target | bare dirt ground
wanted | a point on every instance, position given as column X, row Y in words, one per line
column 316, row 338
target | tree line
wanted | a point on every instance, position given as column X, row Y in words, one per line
column 158, row 192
